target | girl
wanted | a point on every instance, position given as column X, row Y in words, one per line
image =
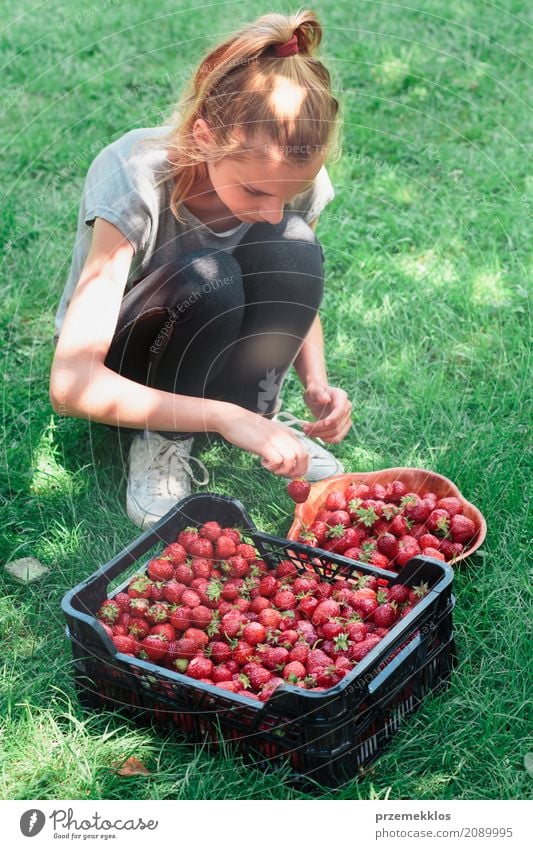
column 196, row 277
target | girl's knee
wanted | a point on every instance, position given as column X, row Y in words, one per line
column 208, row 278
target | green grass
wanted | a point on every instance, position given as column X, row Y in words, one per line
column 426, row 319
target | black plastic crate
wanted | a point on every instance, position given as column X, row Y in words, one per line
column 330, row 735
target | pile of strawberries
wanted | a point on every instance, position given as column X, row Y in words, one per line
column 385, row 525
column 211, row 608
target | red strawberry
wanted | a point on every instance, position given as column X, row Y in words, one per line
column 225, row 547
column 201, row 567
column 231, row 624
column 173, row 591
column 248, row 551
column 254, row 633
column 388, row 545
column 210, row 531
column 327, row 609
column 274, row 656
column 299, row 489
column 139, row 628
column 378, row 559
column 378, row 492
column 356, row 631
column 140, row 587
column 230, row 591
column 385, row 615
column 299, row 652
column 450, row 549
column 398, row 593
column 358, row 651
column 439, row 521
column 286, row 569
column 221, row 673
column 199, row 638
column 126, row 645
column 270, row 618
column 219, row 651
column 239, row 567
column 452, row 505
column 462, row 529
column 124, row 602
column 399, row 526
column 356, row 490
column 229, row 685
column 180, row 618
column 183, row 574
column 268, row 586
column 164, row 630
column 408, row 547
column 305, row 584
column 396, row 491
column 139, row 607
column 176, row 552
column 307, row 606
column 201, row 616
column 335, row 500
column 338, row 517
column 200, row 667
column 157, row 613
column 433, row 552
column 153, row 647
column 259, row 603
column 201, row 547
column 243, row 652
column 285, row 599
column 431, row 498
column 185, row 648
column 234, row 534
column 331, row 629
column 343, row 538
column 319, row 529
column 190, row 598
column 186, row 536
column 160, row 569
column 415, row 508
column 307, row 631
column 109, row 612
column 428, row 540
column 294, row 671
column 258, row 676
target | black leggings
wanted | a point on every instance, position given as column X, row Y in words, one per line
column 224, row 326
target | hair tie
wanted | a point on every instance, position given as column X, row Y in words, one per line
column 287, row 49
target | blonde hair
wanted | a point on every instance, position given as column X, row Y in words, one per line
column 233, row 90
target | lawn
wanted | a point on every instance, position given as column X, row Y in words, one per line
column 426, row 321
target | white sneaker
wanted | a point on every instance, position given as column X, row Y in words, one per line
column 159, row 476
column 322, row 463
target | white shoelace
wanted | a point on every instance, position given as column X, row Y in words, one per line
column 284, row 417
column 171, row 452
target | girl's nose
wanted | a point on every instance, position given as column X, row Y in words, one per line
column 272, row 214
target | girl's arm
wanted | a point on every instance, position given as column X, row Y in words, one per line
column 81, row 385
column 310, row 363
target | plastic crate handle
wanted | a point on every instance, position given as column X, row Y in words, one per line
column 382, row 677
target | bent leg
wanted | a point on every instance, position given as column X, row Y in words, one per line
column 283, row 280
column 177, row 324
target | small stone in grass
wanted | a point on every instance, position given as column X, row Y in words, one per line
column 26, row 569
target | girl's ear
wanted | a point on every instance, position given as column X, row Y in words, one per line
column 202, row 135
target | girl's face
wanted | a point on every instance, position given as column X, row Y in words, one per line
column 256, row 188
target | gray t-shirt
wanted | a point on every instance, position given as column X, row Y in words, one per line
column 120, row 186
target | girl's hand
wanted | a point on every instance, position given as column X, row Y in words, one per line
column 281, row 452
column 333, row 410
